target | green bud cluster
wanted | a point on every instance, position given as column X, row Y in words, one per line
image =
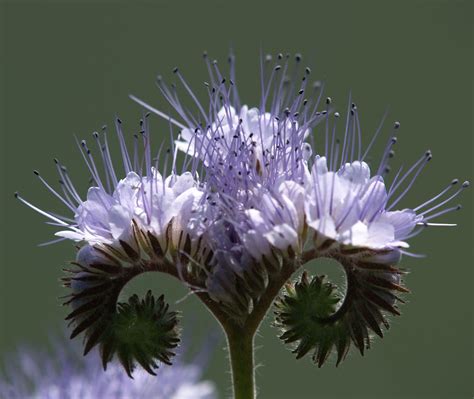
column 142, row 331
column 313, row 317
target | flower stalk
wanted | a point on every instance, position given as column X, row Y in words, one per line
column 240, row 339
column 241, row 351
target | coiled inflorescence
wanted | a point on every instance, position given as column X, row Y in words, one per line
column 258, row 194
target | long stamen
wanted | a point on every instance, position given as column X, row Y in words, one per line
column 431, row 200
column 386, row 155
column 346, row 130
column 104, row 161
column 454, row 208
column 87, row 157
column 127, row 165
column 157, row 112
column 235, row 92
column 428, row 158
column 191, row 93
column 41, row 212
column 326, row 131
column 463, row 187
column 67, row 183
column 376, row 134
column 108, row 156
column 394, row 187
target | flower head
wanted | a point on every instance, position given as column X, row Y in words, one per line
column 259, row 194
column 143, row 195
column 63, row 373
column 354, row 206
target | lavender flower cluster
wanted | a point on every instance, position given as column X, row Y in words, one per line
column 61, row 373
column 258, row 190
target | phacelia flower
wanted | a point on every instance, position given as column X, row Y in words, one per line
column 64, row 374
column 262, row 190
column 143, row 196
column 353, row 207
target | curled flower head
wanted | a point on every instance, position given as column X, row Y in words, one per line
column 260, row 193
column 141, row 223
column 63, row 373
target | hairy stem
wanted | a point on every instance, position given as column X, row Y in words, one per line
column 241, row 351
column 240, row 338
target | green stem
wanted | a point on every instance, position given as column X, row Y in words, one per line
column 240, row 339
column 240, row 343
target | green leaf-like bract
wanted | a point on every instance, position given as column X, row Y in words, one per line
column 310, row 317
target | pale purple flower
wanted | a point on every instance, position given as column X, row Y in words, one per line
column 278, row 221
column 64, row 374
column 348, row 203
column 250, row 127
column 143, row 196
column 348, row 206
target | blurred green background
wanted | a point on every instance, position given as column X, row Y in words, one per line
column 68, row 67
